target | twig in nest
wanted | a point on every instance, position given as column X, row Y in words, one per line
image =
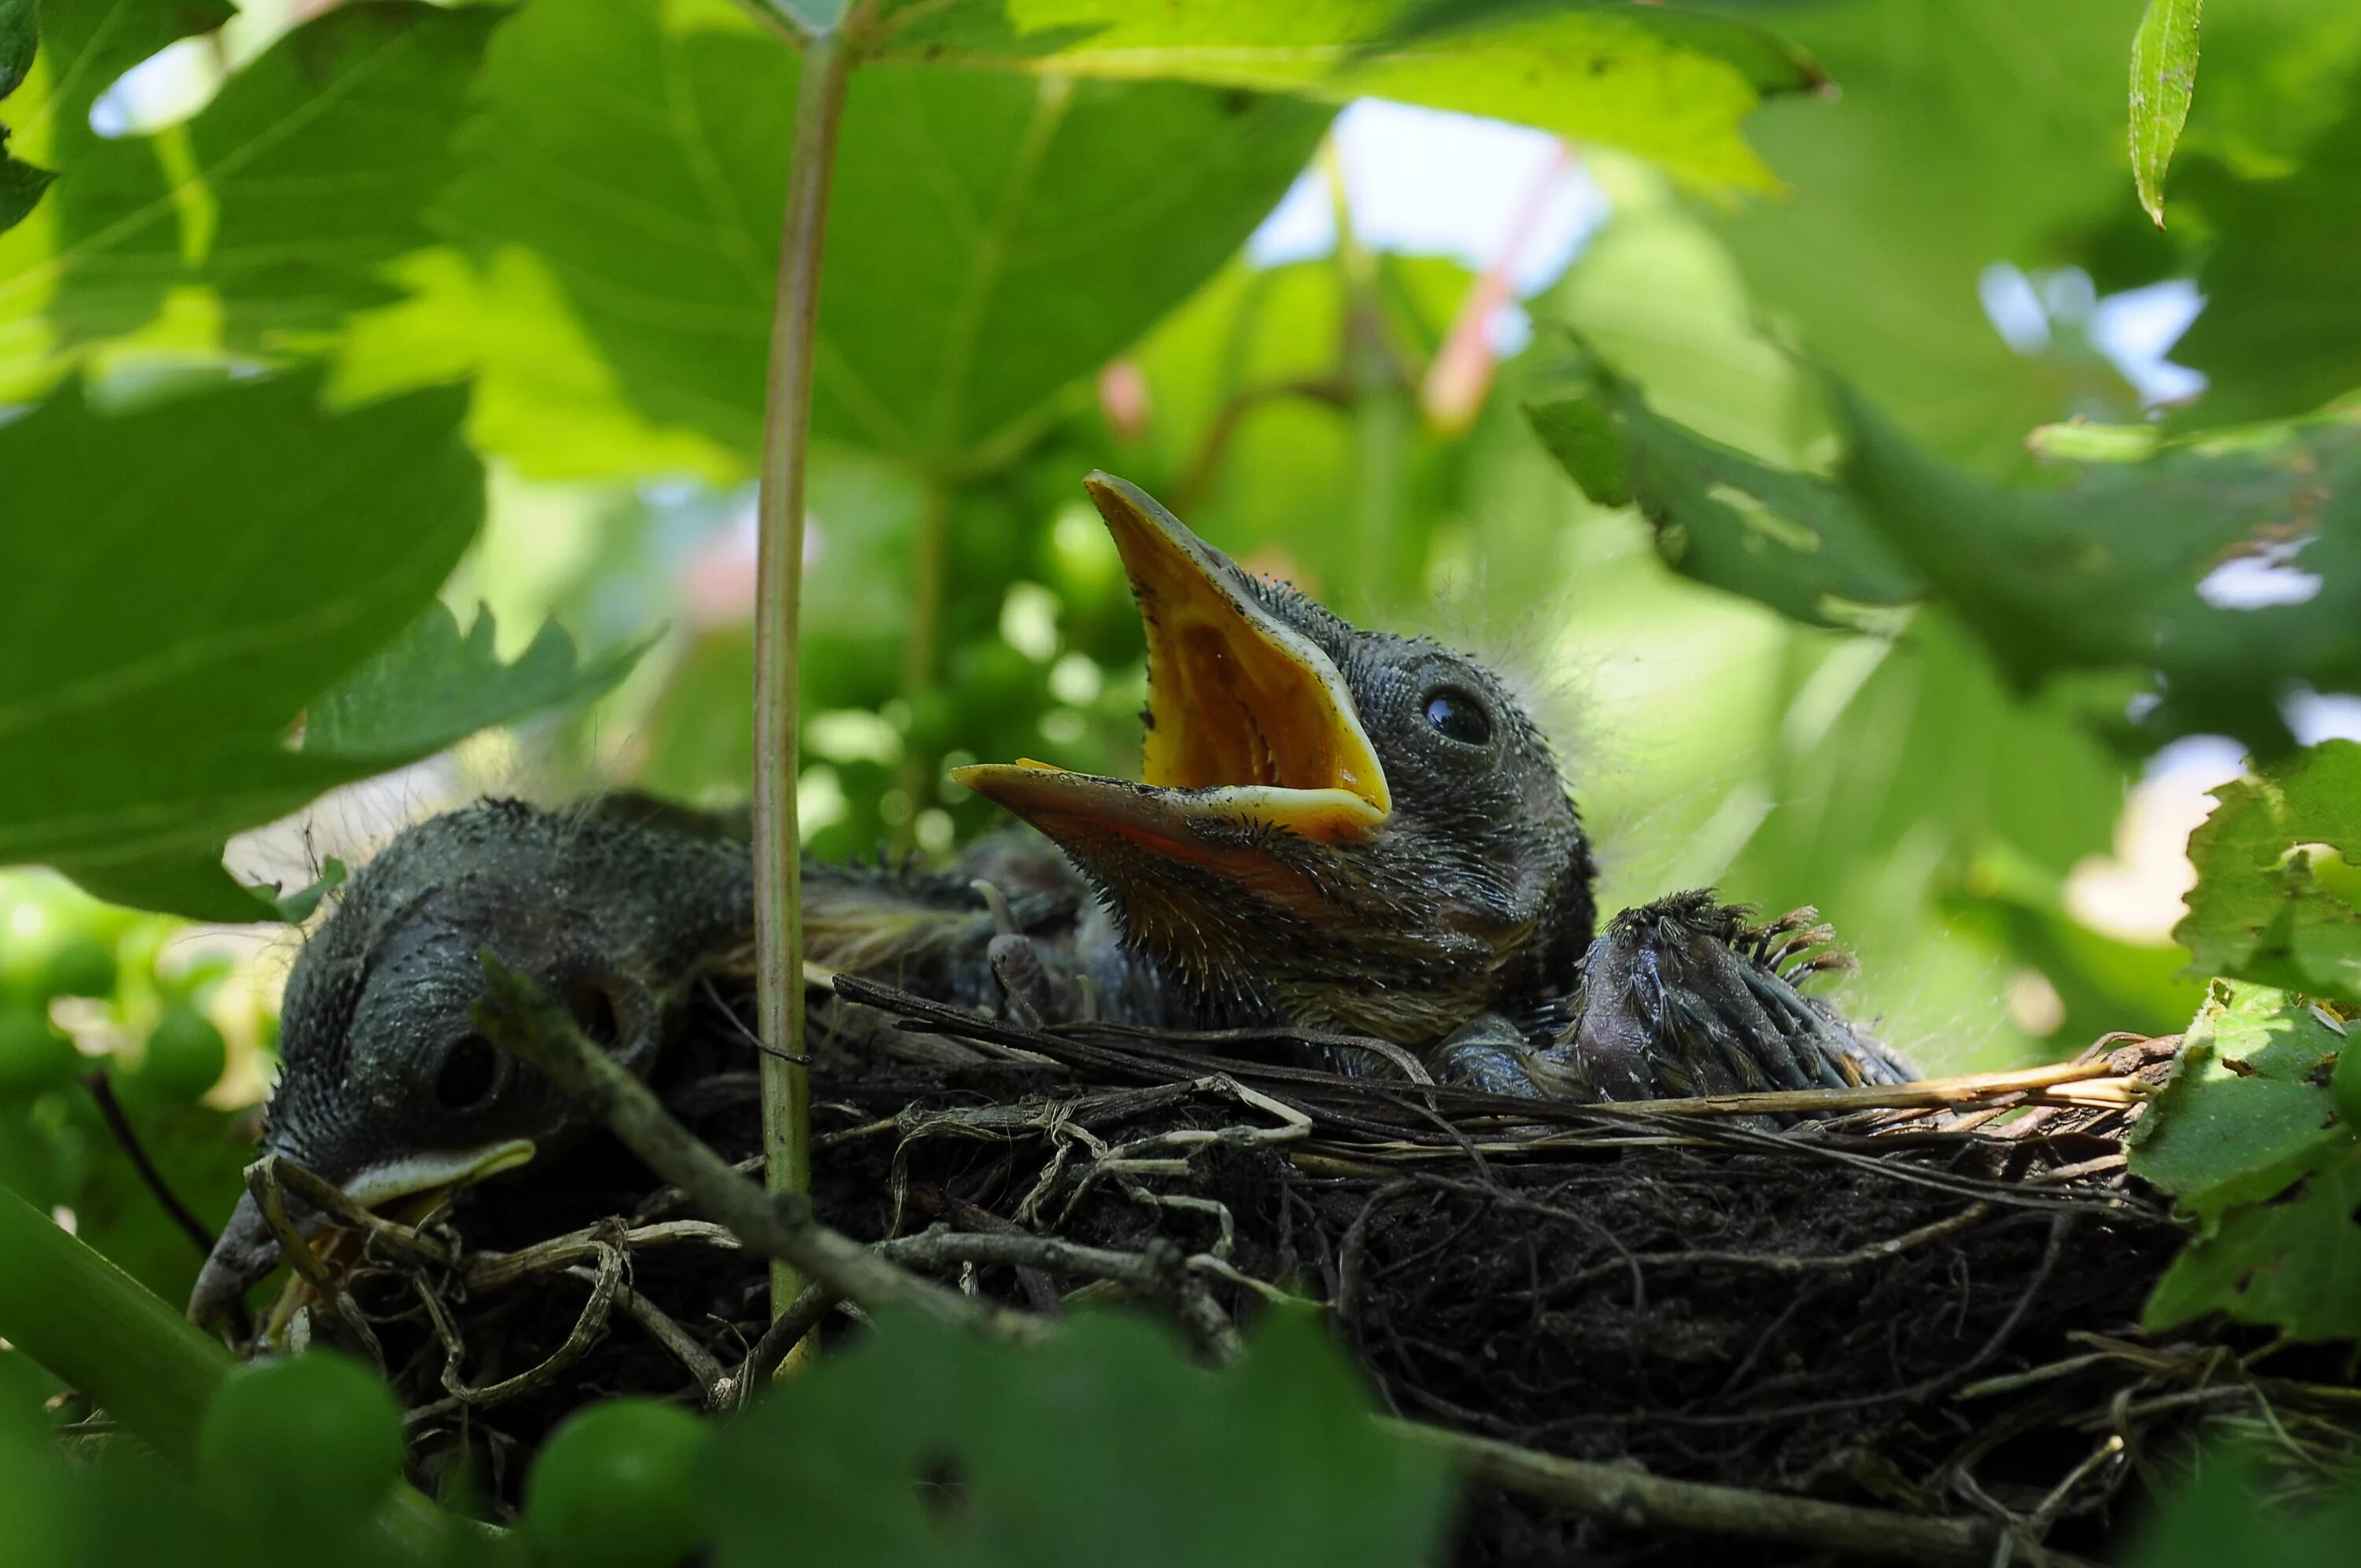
column 587, row 1327
column 1642, row 1501
column 263, row 1180
column 520, row 1017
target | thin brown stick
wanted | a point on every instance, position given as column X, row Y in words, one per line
column 519, row 1017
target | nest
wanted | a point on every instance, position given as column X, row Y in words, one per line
column 1923, row 1300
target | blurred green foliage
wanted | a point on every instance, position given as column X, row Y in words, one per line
column 1853, row 598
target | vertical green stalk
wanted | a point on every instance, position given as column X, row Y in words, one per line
column 103, row 1331
column 1380, row 394
column 922, row 650
column 787, row 439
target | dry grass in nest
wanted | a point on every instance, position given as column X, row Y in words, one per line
column 1922, row 1300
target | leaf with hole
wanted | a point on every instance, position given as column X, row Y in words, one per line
column 2278, row 868
column 2248, row 1106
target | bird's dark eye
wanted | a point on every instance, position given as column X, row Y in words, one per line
column 471, row 1069
column 1458, row 717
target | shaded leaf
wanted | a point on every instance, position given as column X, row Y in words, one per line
column 2164, row 74
column 21, row 185
column 2248, row 1106
column 1273, row 1462
column 1794, row 541
column 1669, row 85
column 432, row 687
column 209, row 565
column 2279, row 876
column 2281, row 329
column 991, row 237
column 189, row 881
column 20, row 34
column 2112, row 565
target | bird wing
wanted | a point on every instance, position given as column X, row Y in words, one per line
column 1690, row 997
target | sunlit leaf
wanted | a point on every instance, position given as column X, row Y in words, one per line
column 990, row 236
column 315, row 163
column 85, row 45
column 2163, row 73
column 2294, row 1263
column 1669, row 85
column 2279, row 876
column 2248, row 1106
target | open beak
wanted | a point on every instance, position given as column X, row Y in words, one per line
column 247, row 1250
column 1248, row 719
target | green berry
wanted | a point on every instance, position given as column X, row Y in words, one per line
column 34, row 1056
column 306, row 1446
column 79, row 966
column 615, row 1486
column 186, row 1056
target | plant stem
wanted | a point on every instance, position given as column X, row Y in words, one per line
column 787, row 439
column 1381, row 408
column 68, row 1306
column 70, row 1310
column 922, row 651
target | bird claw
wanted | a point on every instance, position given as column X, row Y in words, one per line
column 1487, row 1054
column 1024, row 978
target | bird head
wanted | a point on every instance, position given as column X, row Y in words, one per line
column 1337, row 827
column 387, row 1090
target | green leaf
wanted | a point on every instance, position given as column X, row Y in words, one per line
column 2294, row 1263
column 2248, row 1106
column 85, row 47
column 209, row 565
column 1273, row 1462
column 2103, row 568
column 545, row 398
column 2281, row 329
column 432, row 687
column 21, row 185
column 1669, row 85
column 2164, row 74
column 20, row 34
column 1793, row 541
column 316, row 164
column 992, row 238
column 189, row 881
column 2278, row 895
column 1970, row 132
